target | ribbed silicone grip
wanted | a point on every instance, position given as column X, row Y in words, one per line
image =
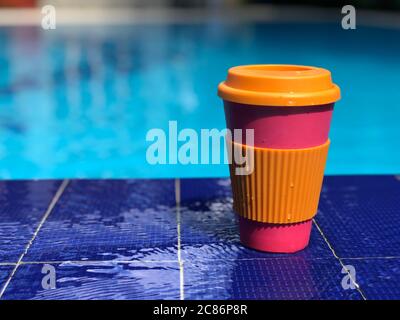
column 283, row 188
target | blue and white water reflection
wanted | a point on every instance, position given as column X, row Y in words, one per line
column 77, row 102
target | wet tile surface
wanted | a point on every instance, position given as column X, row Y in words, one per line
column 22, row 206
column 209, row 227
column 379, row 279
column 118, row 239
column 96, row 281
column 294, row 278
column 360, row 215
column 5, row 272
column 211, row 249
column 110, row 220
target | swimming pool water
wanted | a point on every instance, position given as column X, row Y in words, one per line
column 78, row 101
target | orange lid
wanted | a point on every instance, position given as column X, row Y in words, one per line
column 279, row 85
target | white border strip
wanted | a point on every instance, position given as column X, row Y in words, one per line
column 251, row 13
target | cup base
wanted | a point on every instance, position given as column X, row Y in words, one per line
column 277, row 238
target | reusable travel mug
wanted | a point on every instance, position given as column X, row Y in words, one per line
column 289, row 108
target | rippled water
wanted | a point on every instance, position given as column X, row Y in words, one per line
column 77, row 102
column 99, row 281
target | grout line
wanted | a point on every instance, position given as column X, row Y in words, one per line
column 50, row 208
column 178, row 191
column 372, row 258
column 93, row 262
column 7, row 264
column 89, row 262
column 340, row 260
column 178, row 229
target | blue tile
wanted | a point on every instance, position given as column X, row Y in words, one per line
column 270, row 279
column 209, row 227
column 22, row 206
column 5, row 272
column 101, row 222
column 97, row 281
column 360, row 215
column 204, row 189
column 217, row 266
column 379, row 279
column 110, row 220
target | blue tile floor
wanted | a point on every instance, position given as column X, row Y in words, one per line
column 177, row 239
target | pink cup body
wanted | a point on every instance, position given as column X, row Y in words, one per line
column 281, row 127
column 278, row 238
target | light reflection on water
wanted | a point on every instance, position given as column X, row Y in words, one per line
column 77, row 102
